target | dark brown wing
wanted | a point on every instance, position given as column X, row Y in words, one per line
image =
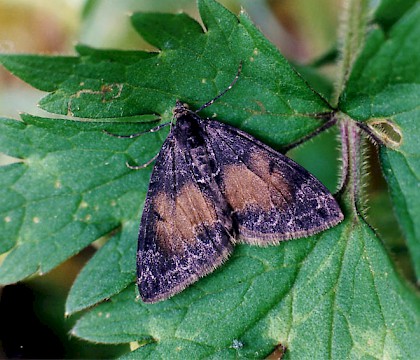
column 271, row 196
column 185, row 232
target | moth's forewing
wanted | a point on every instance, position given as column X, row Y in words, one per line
column 272, row 198
column 186, row 230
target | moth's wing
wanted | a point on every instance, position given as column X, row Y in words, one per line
column 272, row 197
column 184, row 233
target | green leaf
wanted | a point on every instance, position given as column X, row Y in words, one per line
column 270, row 100
column 335, row 295
column 385, row 85
column 390, row 11
column 317, row 81
column 75, row 168
column 110, row 270
column 71, row 187
column 402, row 172
column 45, row 73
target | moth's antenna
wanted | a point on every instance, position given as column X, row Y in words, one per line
column 224, row 91
column 138, row 167
column 131, row 136
column 142, row 166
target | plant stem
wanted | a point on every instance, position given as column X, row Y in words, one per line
column 351, row 38
column 352, row 166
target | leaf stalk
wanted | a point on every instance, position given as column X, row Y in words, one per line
column 352, row 165
column 351, row 38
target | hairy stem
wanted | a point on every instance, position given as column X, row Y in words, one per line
column 351, row 38
column 352, row 166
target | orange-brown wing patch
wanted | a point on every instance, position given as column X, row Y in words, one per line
column 180, row 219
column 259, row 187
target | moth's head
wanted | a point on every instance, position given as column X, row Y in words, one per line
column 180, row 109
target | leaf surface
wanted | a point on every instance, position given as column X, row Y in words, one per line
column 385, row 86
column 72, row 186
column 335, row 295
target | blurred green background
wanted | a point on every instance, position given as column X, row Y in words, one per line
column 32, row 322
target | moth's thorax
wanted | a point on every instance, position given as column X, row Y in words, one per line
column 187, row 130
column 180, row 110
column 190, row 136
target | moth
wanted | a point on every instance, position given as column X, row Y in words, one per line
column 212, row 186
